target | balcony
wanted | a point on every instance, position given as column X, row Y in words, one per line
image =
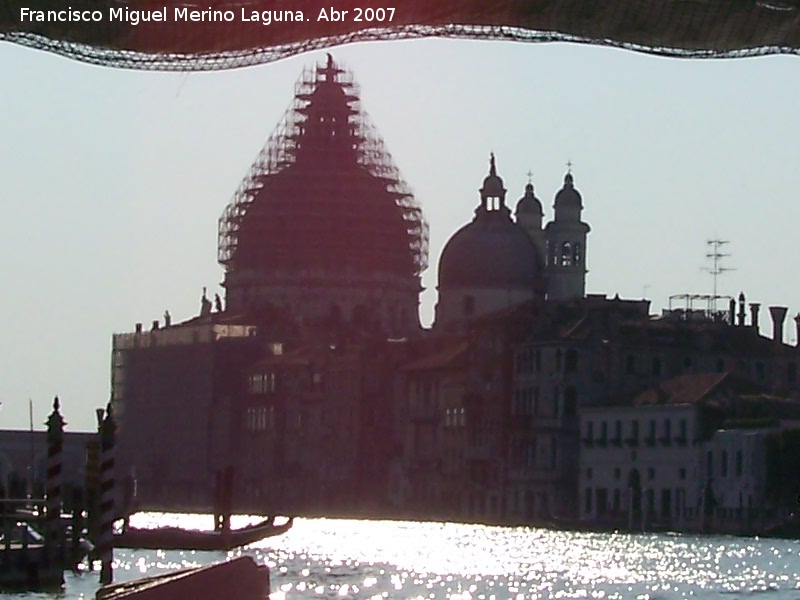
column 665, row 440
column 631, row 441
column 650, row 440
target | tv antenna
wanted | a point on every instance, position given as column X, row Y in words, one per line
column 716, row 255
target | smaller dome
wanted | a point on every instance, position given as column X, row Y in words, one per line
column 490, row 254
column 568, row 196
column 529, row 203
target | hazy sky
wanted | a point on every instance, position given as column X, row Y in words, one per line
column 111, row 182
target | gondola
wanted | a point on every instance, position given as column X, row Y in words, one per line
column 175, row 538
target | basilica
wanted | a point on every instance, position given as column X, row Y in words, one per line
column 314, row 380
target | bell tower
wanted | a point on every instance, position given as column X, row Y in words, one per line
column 566, row 244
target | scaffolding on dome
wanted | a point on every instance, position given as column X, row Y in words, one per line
column 281, row 152
column 677, row 28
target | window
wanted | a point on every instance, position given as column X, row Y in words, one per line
column 656, row 371
column 589, row 431
column 724, row 464
column 720, row 366
column 618, row 433
column 571, row 403
column 558, row 360
column 617, row 473
column 738, row 463
column 630, row 364
column 651, row 473
column 566, row 254
column 589, row 473
column 651, row 436
column 682, row 473
column 576, row 253
column 709, row 463
column 588, row 507
column 603, row 432
column 791, row 372
column 571, row 361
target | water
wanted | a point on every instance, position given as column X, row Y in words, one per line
column 322, row 558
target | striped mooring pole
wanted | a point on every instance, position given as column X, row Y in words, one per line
column 105, row 537
column 55, row 446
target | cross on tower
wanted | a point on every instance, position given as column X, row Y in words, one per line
column 530, row 175
column 569, row 166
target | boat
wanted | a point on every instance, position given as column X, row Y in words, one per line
column 176, row 538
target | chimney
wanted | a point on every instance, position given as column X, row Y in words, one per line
column 778, row 314
column 155, row 325
column 754, row 307
column 733, row 311
column 797, row 327
column 138, row 328
column 740, row 323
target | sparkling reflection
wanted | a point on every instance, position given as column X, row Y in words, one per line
column 325, row 558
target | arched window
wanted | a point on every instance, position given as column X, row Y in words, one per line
column 576, row 253
column 566, row 254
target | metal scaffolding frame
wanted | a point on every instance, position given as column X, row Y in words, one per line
column 388, row 232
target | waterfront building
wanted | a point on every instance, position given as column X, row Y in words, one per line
column 314, row 380
column 323, row 245
column 688, row 453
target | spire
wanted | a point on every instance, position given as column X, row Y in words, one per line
column 493, row 194
column 330, row 70
column 568, row 179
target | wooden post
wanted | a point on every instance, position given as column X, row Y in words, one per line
column 105, row 537
column 77, row 526
column 227, row 499
column 55, row 446
column 218, row 501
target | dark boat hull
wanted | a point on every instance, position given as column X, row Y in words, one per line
column 174, row 538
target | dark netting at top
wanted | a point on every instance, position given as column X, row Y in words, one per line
column 681, row 28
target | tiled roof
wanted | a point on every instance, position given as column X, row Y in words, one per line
column 450, row 356
column 684, row 389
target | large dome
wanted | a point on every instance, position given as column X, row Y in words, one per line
column 492, row 251
column 324, row 196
